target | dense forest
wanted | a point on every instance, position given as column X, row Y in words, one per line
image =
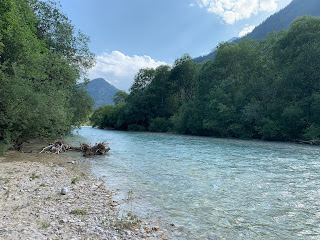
column 42, row 56
column 268, row 89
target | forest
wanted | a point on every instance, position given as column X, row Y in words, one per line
column 42, row 56
column 267, row 89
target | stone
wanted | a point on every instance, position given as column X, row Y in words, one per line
column 156, row 228
column 80, row 224
column 64, row 191
column 62, row 221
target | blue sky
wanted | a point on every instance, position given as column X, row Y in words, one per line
column 127, row 35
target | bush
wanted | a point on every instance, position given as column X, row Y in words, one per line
column 312, row 132
column 136, row 128
column 160, row 125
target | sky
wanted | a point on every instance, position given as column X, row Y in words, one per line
column 127, row 35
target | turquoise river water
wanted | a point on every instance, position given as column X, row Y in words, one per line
column 214, row 188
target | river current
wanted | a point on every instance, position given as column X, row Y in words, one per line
column 213, row 188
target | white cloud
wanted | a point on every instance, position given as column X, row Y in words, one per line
column 246, row 30
column 192, row 5
column 120, row 69
column 234, row 10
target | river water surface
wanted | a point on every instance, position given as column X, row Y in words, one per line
column 214, row 188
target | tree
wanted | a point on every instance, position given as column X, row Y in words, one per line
column 120, row 97
column 38, row 92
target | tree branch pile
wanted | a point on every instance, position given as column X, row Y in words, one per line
column 59, row 146
column 56, row 147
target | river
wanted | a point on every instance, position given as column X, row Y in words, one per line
column 212, row 188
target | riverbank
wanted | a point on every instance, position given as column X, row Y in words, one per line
column 32, row 206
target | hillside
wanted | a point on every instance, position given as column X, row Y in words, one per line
column 277, row 22
column 102, row 92
column 283, row 18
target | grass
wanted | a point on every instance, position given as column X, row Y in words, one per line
column 5, row 180
column 75, row 180
column 7, row 193
column 34, row 176
column 129, row 196
column 43, row 185
column 79, row 211
column 17, row 208
column 83, row 174
column 45, row 225
column 128, row 221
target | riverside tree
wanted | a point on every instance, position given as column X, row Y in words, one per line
column 41, row 59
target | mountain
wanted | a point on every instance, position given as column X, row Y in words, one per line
column 283, row 18
column 277, row 22
column 102, row 92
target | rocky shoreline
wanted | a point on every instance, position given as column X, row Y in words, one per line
column 32, row 205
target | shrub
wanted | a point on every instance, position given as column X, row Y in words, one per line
column 136, row 127
column 160, row 125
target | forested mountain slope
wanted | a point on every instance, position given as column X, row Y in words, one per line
column 277, row 22
column 283, row 18
column 102, row 92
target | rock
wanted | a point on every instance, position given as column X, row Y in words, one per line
column 156, row 228
column 62, row 221
column 63, row 191
column 80, row 224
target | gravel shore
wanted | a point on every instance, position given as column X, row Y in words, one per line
column 34, row 206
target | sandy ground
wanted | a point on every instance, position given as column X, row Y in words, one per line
column 32, row 206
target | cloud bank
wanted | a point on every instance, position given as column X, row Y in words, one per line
column 232, row 11
column 120, row 69
column 246, row 30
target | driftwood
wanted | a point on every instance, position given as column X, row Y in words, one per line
column 58, row 147
column 97, row 149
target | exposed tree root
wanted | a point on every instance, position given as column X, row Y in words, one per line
column 97, row 149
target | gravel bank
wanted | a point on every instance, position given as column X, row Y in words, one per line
column 32, row 206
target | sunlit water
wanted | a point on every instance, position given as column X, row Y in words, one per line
column 214, row 188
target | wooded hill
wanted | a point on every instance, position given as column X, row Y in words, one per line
column 101, row 92
column 277, row 22
column 268, row 89
column 41, row 57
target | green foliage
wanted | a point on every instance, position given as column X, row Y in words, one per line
column 120, row 97
column 75, row 180
column 79, row 211
column 266, row 89
column 160, row 125
column 39, row 71
column 136, row 128
column 312, row 132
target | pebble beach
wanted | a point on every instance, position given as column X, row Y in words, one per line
column 50, row 200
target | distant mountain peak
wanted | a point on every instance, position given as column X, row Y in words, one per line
column 233, row 39
column 101, row 91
